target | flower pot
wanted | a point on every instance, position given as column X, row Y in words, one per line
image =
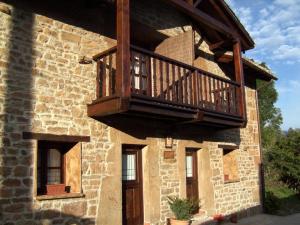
column 179, row 222
column 218, row 218
column 55, row 189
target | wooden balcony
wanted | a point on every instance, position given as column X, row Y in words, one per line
column 165, row 89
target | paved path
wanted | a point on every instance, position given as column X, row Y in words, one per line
column 264, row 219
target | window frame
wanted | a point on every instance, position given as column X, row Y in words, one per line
column 227, row 149
column 43, row 147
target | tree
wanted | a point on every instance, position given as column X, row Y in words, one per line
column 285, row 157
column 270, row 116
column 270, row 121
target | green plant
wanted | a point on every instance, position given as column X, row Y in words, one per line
column 183, row 208
column 272, row 203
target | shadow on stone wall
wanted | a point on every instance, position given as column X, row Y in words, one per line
column 17, row 154
column 91, row 15
column 16, row 158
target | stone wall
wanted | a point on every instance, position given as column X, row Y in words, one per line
column 162, row 20
column 44, row 89
column 243, row 194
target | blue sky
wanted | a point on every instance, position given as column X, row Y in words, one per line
column 275, row 27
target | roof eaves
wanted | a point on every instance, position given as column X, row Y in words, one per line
column 238, row 23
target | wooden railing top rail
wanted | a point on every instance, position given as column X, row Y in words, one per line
column 186, row 66
column 164, row 58
column 105, row 53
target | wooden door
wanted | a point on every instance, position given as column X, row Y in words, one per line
column 132, row 186
column 191, row 174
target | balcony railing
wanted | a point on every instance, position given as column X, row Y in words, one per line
column 159, row 78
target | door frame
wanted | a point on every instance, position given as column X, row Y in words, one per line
column 139, row 175
column 194, row 153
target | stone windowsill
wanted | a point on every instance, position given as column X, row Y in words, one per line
column 52, row 197
column 231, row 181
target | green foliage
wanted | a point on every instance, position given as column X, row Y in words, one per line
column 272, row 203
column 281, row 200
column 285, row 157
column 183, row 208
column 281, row 152
column 270, row 116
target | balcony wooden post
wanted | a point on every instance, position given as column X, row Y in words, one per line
column 239, row 76
column 123, row 48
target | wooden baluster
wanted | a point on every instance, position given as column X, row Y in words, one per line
column 154, row 77
column 132, row 61
column 234, row 99
column 140, row 58
column 218, row 95
column 200, row 89
column 161, row 79
column 205, row 91
column 209, row 92
column 214, row 94
column 113, row 74
column 104, row 80
column 149, row 76
column 173, row 85
column 180, row 85
column 195, row 90
column 190, row 90
column 222, row 97
column 110, row 83
column 185, row 87
column 98, row 80
column 228, row 99
column 168, row 81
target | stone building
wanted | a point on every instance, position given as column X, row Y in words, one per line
column 108, row 107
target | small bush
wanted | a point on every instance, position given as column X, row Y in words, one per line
column 272, row 203
column 183, row 208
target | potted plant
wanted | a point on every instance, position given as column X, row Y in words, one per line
column 183, row 210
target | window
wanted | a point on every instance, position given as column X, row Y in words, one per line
column 129, row 167
column 58, row 167
column 230, row 165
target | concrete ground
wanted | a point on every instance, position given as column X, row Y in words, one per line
column 264, row 219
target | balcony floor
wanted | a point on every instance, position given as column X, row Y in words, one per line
column 159, row 109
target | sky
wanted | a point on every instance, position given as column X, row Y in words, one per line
column 275, row 27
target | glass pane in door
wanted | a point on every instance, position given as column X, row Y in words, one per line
column 189, row 166
column 128, row 167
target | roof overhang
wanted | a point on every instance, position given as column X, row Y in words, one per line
column 251, row 67
column 226, row 25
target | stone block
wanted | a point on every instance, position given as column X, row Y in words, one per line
column 70, row 37
column 75, row 208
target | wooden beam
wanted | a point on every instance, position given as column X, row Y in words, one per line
column 123, row 48
column 54, row 137
column 239, row 76
column 224, row 17
column 229, row 147
column 191, row 2
column 217, row 45
column 197, row 3
column 202, row 17
column 221, row 13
